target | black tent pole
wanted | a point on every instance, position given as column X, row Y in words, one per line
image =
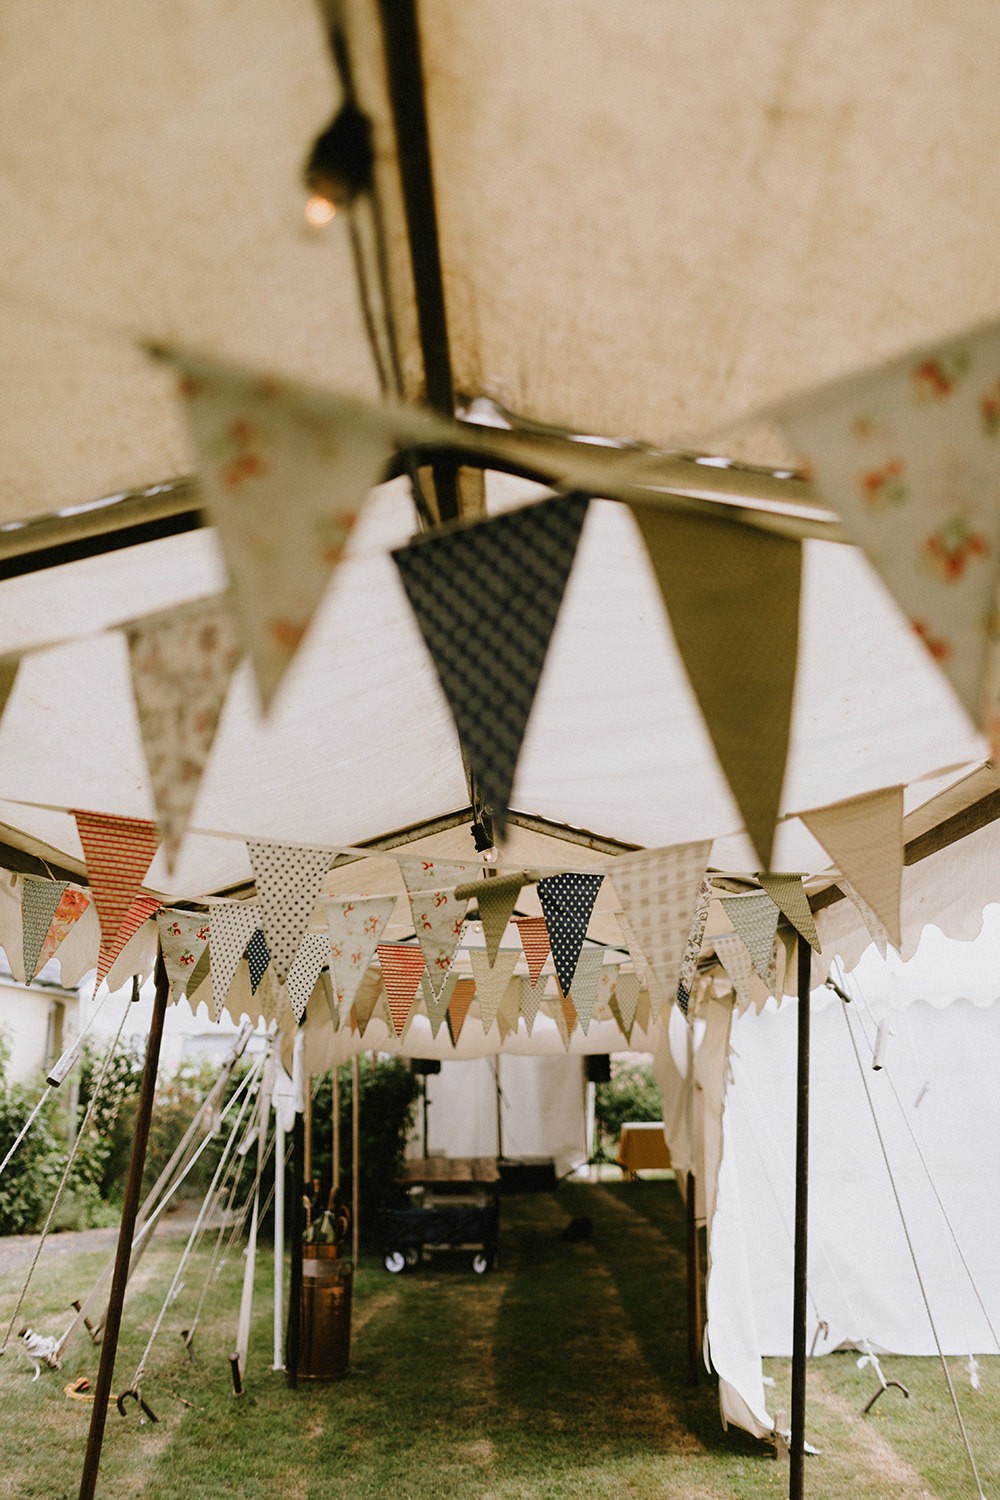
column 130, row 1208
column 796, row 1481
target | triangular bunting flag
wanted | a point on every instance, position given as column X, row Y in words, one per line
column 284, row 472
column 231, row 926
column 355, row 929
column 257, row 958
column 876, row 928
column 313, row 954
column 732, row 594
column 118, row 852
column 787, row 893
column 585, row 982
column 864, row 839
column 658, row 889
column 692, row 950
column 289, row 881
column 142, row 908
column 72, row 905
column 605, row 989
column 567, row 902
column 510, row 1007
column 908, row 454
column 755, row 918
column 201, row 972
column 531, row 998
column 536, row 945
column 8, row 676
column 181, row 660
column 488, row 632
column 643, row 1013
column 436, row 1006
column 366, row 998
column 39, row 903
column 732, row 954
column 461, row 1000
column 438, row 915
column 565, row 1017
column 625, row 1000
column 402, row 966
column 491, row 983
column 183, row 941
column 497, row 898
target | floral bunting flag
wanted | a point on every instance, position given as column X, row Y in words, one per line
column 488, row 631
column 567, row 902
column 625, row 1000
column 909, row 454
column 183, row 941
column 355, row 929
column 755, row 918
column 313, row 955
column 535, row 942
column 732, row 954
column 585, row 982
column 257, row 958
column 491, row 981
column 39, row 903
column 289, row 880
column 142, row 908
column 438, row 914
column 531, row 998
column 658, row 889
column 231, row 926
column 732, row 594
column 436, row 1006
column 118, row 852
column 461, row 1001
column 284, row 471
column 497, row 899
column 787, row 893
column 692, row 950
column 402, row 966
column 864, row 838
column 181, row 660
column 72, row 904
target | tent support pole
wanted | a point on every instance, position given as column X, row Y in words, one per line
column 130, row 1209
column 293, row 1328
column 693, row 1281
column 355, row 1163
column 796, row 1480
column 335, row 1144
column 279, row 1238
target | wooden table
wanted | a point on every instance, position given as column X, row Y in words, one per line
column 642, row 1146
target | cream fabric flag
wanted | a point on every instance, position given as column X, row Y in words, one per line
column 786, row 892
column 658, row 889
column 284, row 471
column 39, row 903
column 8, row 676
column 438, row 913
column 289, row 881
column 183, row 940
column 491, row 982
column 625, row 1000
column 876, row 929
column 402, row 967
column 356, row 927
column 605, row 989
column 366, row 998
column 181, row 660
column 436, row 1006
column 864, row 838
column 510, row 1009
column 732, row 954
column 313, row 954
column 231, row 926
column 909, row 454
column 755, row 918
column 531, row 998
column 732, row 594
column 585, row 982
column 644, row 1016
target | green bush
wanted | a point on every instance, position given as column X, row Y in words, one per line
column 631, row 1095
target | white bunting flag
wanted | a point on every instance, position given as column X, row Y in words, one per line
column 532, row 996
column 313, row 955
column 289, row 882
column 864, row 838
column 658, row 889
column 732, row 954
column 626, row 999
column 585, row 982
column 231, row 926
column 510, row 1009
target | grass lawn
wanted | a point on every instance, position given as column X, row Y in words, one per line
column 563, row 1374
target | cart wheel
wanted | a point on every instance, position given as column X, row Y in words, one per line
column 412, row 1255
column 480, row 1262
column 395, row 1261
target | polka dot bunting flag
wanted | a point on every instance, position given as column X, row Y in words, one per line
column 289, row 880
column 567, row 902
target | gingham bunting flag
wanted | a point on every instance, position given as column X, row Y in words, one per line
column 436, row 1006
column 585, row 982
column 787, row 893
column 625, row 1000
column 438, row 913
column 497, row 899
column 567, row 902
column 183, row 941
column 39, row 902
column 231, row 926
column 864, row 838
column 181, row 660
column 313, row 954
column 658, row 889
column 461, row 1001
column 732, row 954
column 535, row 942
column 531, row 998
column 355, row 929
column 257, row 958
column 118, row 852
column 488, row 631
column 72, row 905
column 755, row 918
column 402, row 966
column 284, row 471
column 491, row 983
column 509, row 1011
column 142, row 908
column 289, row 881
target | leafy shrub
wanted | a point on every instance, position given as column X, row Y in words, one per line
column 631, row 1095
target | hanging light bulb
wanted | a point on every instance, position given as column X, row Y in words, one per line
column 319, row 211
column 339, row 166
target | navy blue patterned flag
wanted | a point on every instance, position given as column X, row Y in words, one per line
column 567, row 901
column 258, row 959
column 486, row 598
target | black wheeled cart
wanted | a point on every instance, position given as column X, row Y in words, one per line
column 453, row 1206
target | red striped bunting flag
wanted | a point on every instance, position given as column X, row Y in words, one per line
column 118, row 852
column 535, row 942
column 402, row 966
